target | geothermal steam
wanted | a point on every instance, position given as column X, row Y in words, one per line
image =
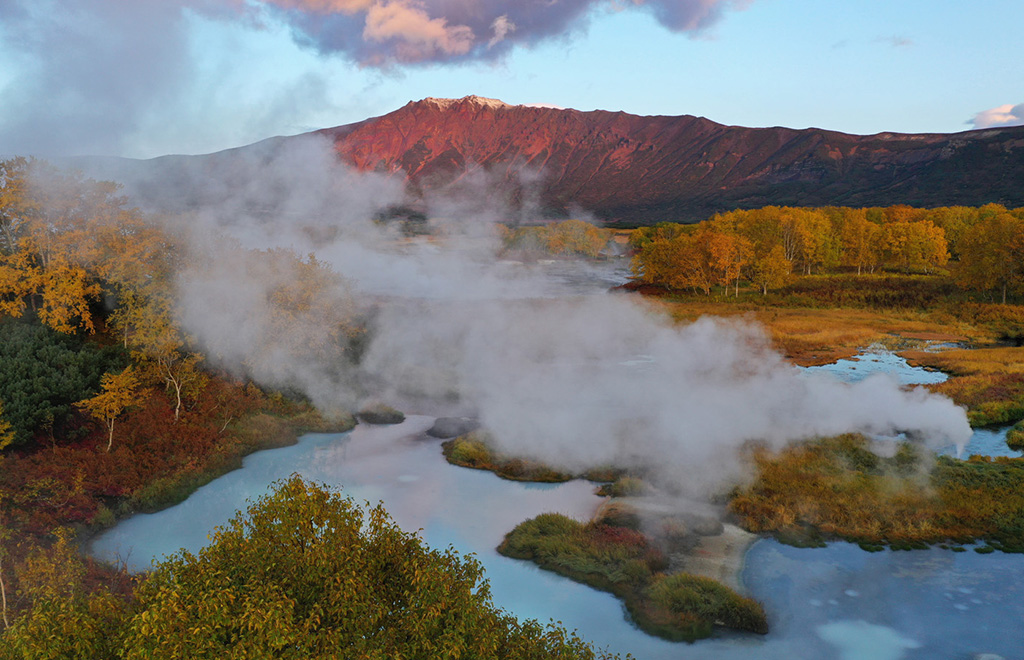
column 577, row 382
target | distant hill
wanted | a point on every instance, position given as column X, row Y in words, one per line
column 628, row 168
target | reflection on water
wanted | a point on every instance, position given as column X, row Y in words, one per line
column 877, row 360
column 835, row 602
column 843, row 602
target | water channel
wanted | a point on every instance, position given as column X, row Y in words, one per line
column 834, row 602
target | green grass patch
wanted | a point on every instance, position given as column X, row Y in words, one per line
column 1015, row 436
column 473, row 450
column 624, row 562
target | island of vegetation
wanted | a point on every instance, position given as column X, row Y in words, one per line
column 625, row 562
column 611, row 553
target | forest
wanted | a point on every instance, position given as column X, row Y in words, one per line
column 108, row 407
column 978, row 249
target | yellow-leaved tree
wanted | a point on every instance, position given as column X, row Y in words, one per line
column 118, row 393
column 992, row 255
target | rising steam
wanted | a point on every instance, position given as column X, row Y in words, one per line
column 577, row 382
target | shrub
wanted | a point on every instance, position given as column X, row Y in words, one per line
column 1015, row 436
column 44, row 372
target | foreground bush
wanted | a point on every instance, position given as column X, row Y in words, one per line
column 624, row 562
column 304, row 573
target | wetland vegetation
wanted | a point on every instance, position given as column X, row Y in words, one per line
column 630, row 565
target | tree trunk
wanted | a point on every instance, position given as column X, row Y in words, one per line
column 3, row 596
column 110, row 438
column 176, row 382
column 177, row 395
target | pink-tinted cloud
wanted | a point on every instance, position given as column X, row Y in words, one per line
column 389, row 32
column 1004, row 115
column 413, row 34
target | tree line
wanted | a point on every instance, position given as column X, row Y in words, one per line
column 79, row 261
column 982, row 248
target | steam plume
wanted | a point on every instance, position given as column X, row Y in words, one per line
column 584, row 382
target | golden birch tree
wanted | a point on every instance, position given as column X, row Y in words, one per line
column 119, row 391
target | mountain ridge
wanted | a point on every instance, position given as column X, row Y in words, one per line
column 551, row 162
column 628, row 167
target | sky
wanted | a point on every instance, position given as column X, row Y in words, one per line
column 151, row 77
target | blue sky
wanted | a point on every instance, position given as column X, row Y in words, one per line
column 151, row 77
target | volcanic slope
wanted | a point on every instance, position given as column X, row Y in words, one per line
column 636, row 169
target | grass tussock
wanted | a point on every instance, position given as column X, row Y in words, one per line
column 989, row 382
column 838, row 488
column 624, row 562
column 1015, row 436
column 473, row 450
column 380, row 413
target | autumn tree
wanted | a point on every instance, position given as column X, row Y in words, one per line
column 992, row 255
column 20, row 277
column 68, row 291
column 657, row 263
column 156, row 342
column 16, row 204
column 663, row 231
column 576, row 237
column 807, row 238
column 306, row 573
column 65, row 619
column 910, row 246
column 859, row 239
column 771, row 270
column 118, row 393
column 954, row 221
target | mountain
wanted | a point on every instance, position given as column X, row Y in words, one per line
column 646, row 169
column 636, row 169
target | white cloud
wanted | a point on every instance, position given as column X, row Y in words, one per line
column 501, row 27
column 1004, row 115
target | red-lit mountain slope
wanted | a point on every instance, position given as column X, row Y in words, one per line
column 626, row 167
